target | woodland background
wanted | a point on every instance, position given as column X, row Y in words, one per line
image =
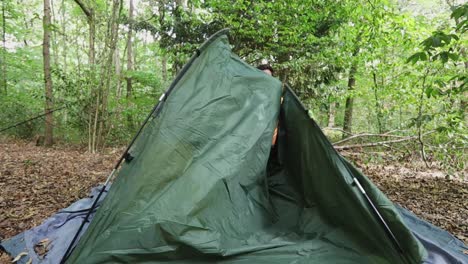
column 396, row 69
column 385, row 79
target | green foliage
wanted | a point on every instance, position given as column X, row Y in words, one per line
column 18, row 107
column 418, row 56
column 410, row 70
column 460, row 15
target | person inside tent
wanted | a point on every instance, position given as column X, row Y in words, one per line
column 273, row 164
column 266, row 68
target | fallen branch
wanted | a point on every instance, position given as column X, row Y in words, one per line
column 374, row 144
column 367, row 135
column 381, row 143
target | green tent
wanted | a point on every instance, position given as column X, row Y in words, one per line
column 203, row 184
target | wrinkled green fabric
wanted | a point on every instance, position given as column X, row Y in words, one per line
column 198, row 189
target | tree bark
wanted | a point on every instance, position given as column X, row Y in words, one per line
column 331, row 114
column 463, row 101
column 420, row 122
column 378, row 107
column 92, row 38
column 348, row 115
column 164, row 68
column 130, row 63
column 49, row 102
column 3, row 61
column 90, row 16
column 118, row 73
column 94, row 111
column 53, row 44
column 64, row 37
column 161, row 16
column 111, row 43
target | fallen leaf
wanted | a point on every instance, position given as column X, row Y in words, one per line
column 42, row 247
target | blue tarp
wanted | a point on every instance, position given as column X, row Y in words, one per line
column 58, row 230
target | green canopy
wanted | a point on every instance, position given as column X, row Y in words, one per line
column 204, row 185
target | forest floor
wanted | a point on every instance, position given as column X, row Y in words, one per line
column 35, row 182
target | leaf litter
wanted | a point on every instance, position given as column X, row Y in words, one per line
column 35, row 182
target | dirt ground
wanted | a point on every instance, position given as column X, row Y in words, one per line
column 35, row 182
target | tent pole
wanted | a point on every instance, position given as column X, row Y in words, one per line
column 388, row 231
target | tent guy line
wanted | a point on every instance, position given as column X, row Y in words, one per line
column 32, row 118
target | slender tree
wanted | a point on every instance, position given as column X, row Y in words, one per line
column 49, row 100
column 348, row 114
column 130, row 62
column 91, row 18
column 331, row 114
column 93, row 114
column 3, row 61
column 105, row 84
column 378, row 106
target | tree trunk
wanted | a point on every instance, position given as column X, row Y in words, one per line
column 164, row 68
column 49, row 102
column 331, row 114
column 93, row 115
column 161, row 14
column 118, row 73
column 348, row 115
column 464, row 102
column 111, row 42
column 90, row 17
column 94, row 90
column 378, row 107
column 420, row 122
column 92, row 37
column 64, row 38
column 3, row 61
column 130, row 65
column 54, row 45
